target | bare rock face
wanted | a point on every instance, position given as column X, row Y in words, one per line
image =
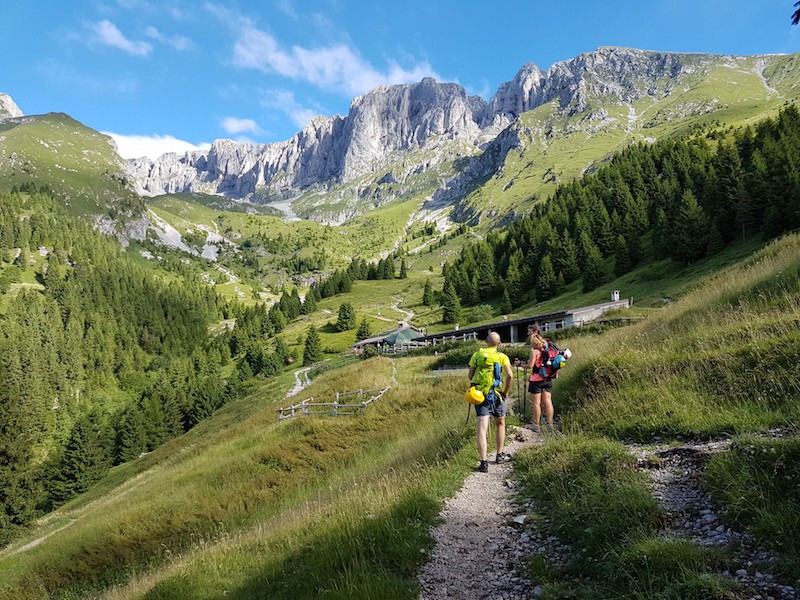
column 391, row 120
column 622, row 74
column 330, row 150
column 8, row 108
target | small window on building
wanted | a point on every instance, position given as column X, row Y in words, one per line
column 560, row 324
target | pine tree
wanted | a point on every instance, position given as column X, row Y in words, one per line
column 623, row 262
column 545, row 279
column 451, row 306
column 505, row 303
column 427, row 293
column 131, row 439
column 595, row 272
column 364, row 330
column 566, row 259
column 282, row 351
column 309, row 304
column 403, row 271
column 690, row 230
column 347, row 317
column 312, row 349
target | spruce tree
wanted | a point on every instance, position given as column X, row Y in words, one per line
column 566, row 259
column 486, row 280
column 690, row 230
column 403, row 271
column 312, row 349
column 545, row 279
column 514, row 278
column 309, row 304
column 364, row 331
column 427, row 293
column 347, row 317
column 595, row 272
column 282, row 351
column 505, row 303
column 131, row 439
column 451, row 306
column 623, row 262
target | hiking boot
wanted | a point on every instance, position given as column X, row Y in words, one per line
column 533, row 427
column 502, row 457
column 483, row 467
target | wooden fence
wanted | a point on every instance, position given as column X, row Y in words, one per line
column 404, row 347
column 342, row 404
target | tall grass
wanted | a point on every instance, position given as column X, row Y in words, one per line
column 758, row 481
column 721, row 360
column 226, row 506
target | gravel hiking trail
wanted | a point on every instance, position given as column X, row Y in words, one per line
column 481, row 545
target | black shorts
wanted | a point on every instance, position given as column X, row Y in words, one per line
column 537, row 387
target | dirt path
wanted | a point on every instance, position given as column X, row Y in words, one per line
column 481, row 546
column 396, row 306
column 299, row 384
column 675, row 474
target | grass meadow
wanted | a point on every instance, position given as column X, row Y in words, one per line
column 335, row 507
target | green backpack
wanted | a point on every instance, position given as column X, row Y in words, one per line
column 488, row 372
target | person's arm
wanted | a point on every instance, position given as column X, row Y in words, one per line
column 529, row 364
column 471, row 373
column 509, row 378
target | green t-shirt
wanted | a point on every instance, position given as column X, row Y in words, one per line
column 484, row 360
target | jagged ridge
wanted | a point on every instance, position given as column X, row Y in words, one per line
column 392, row 120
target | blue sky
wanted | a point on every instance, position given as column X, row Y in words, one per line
column 176, row 74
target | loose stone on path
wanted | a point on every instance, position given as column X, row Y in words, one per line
column 481, row 547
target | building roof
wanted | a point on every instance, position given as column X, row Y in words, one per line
column 546, row 317
column 392, row 337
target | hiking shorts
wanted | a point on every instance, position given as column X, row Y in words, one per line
column 537, row 387
column 496, row 409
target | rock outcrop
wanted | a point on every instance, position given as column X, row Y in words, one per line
column 8, row 108
column 439, row 118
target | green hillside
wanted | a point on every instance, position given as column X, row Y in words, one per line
column 79, row 164
column 720, row 362
column 246, row 505
column 555, row 148
column 141, row 455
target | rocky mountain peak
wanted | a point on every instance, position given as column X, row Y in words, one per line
column 8, row 108
column 428, row 116
column 623, row 74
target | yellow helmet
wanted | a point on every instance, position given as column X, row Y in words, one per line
column 474, row 396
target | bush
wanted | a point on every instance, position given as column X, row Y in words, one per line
column 370, row 351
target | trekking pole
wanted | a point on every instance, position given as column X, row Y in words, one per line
column 525, row 400
column 519, row 404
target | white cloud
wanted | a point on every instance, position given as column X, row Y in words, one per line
column 151, row 146
column 284, row 101
column 179, row 42
column 287, row 8
column 107, row 33
column 336, row 68
column 234, row 126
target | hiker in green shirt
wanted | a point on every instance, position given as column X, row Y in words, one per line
column 486, row 368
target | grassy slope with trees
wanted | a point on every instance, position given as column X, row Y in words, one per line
column 719, row 362
column 145, row 527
